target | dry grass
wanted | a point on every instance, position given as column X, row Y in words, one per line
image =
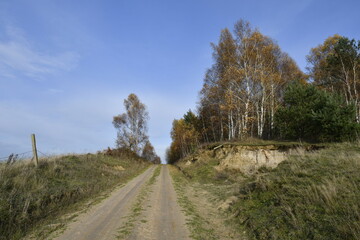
column 31, row 195
column 198, row 226
column 316, row 196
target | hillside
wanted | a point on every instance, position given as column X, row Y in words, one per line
column 309, row 192
column 41, row 200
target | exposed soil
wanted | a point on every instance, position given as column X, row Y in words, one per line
column 247, row 158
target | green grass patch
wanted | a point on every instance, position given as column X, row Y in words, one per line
column 37, row 196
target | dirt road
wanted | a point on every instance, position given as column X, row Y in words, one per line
column 102, row 221
column 161, row 217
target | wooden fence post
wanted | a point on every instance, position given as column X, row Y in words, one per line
column 35, row 155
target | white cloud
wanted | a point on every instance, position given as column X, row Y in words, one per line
column 18, row 56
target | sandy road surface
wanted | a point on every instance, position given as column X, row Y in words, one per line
column 162, row 218
column 102, row 221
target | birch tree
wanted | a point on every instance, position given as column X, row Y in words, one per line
column 243, row 88
column 132, row 125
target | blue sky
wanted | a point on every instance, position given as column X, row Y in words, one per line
column 66, row 66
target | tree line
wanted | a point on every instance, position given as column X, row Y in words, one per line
column 254, row 89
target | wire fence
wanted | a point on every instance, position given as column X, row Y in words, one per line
column 22, row 156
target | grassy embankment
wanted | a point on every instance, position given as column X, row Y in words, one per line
column 39, row 196
column 313, row 196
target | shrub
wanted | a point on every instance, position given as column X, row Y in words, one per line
column 312, row 114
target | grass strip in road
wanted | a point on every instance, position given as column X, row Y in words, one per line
column 137, row 208
column 196, row 223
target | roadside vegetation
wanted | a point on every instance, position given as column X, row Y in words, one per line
column 310, row 196
column 315, row 196
column 198, row 225
column 31, row 196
